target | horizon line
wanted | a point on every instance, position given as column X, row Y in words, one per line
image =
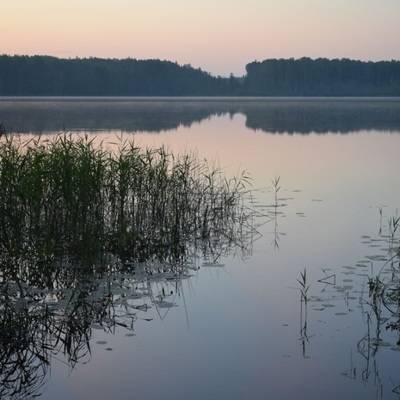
column 181, row 64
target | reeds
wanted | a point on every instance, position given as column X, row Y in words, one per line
column 276, row 188
column 72, row 196
column 83, row 228
column 2, row 129
column 303, row 286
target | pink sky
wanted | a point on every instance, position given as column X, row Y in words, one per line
column 219, row 36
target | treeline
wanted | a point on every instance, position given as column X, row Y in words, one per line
column 323, row 77
column 51, row 76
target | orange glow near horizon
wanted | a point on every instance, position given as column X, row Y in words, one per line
column 219, row 37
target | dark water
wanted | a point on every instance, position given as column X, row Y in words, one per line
column 282, row 115
column 236, row 328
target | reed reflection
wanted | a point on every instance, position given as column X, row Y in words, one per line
column 93, row 240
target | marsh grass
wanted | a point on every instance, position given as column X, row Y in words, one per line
column 73, row 196
column 91, row 237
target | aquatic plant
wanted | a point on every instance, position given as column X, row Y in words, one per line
column 379, row 304
column 304, row 286
column 68, row 196
column 36, row 325
column 276, row 188
column 394, row 225
column 91, row 238
column 2, row 129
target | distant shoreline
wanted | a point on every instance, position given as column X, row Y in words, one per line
column 30, row 76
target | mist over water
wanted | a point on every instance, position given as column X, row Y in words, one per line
column 274, row 115
column 234, row 326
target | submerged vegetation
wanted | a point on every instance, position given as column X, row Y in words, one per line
column 93, row 238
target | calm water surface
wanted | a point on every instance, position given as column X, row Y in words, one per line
column 236, row 329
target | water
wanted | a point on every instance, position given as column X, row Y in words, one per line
column 238, row 329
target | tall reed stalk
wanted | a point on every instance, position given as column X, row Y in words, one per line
column 72, row 196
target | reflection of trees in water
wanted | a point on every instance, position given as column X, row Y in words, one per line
column 272, row 116
column 327, row 116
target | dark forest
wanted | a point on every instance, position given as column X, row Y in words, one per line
column 51, row 76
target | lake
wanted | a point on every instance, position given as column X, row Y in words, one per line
column 241, row 325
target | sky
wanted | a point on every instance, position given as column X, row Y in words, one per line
column 219, row 36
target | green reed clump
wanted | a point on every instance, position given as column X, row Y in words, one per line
column 82, row 227
column 71, row 195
